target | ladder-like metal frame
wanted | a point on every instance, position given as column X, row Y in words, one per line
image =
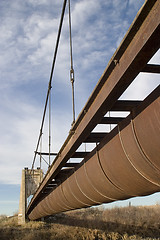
column 140, row 43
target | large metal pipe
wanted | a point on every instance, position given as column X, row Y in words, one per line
column 125, row 164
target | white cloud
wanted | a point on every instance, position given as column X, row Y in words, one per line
column 18, row 124
column 37, row 2
column 44, row 2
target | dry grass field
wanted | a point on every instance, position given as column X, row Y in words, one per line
column 88, row 224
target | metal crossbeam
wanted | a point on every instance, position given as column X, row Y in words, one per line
column 95, row 137
column 79, row 154
column 151, row 68
column 125, row 105
column 72, row 165
column 111, row 120
column 46, row 154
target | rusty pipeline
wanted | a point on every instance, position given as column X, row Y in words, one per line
column 125, row 164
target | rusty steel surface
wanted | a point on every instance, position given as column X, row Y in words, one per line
column 137, row 48
column 123, row 165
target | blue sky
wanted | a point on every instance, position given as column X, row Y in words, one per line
column 28, row 31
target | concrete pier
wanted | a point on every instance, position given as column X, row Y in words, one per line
column 29, row 183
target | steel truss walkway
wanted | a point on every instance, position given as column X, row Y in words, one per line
column 126, row 161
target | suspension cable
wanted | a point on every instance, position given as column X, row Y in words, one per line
column 71, row 56
column 49, row 129
column 40, row 153
column 50, row 81
column 40, row 159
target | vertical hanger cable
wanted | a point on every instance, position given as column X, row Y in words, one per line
column 71, row 56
